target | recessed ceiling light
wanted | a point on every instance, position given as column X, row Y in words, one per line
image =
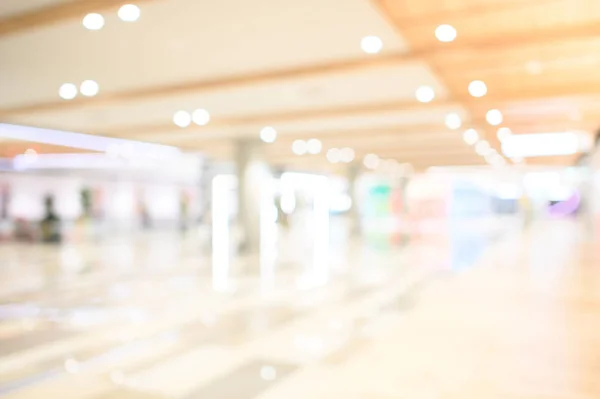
column 89, row 88
column 71, row 366
column 425, row 94
column 482, row 148
column 371, row 161
column 477, row 88
column 268, row 134
column 201, row 117
column 494, row 117
column 333, row 155
column 67, row 91
column 453, row 121
column 371, row 44
column 129, row 13
column 534, row 67
column 299, row 147
column 503, row 133
column 314, row 146
column 445, row 33
column 182, row 119
column 268, row 373
column 93, row 21
column 347, row 155
column 470, row 136
column 30, row 155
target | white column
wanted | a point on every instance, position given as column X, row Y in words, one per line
column 352, row 175
column 254, row 179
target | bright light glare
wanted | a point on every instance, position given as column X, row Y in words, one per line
column 347, row 155
column 477, row 88
column 334, row 155
column 93, row 21
column 268, row 373
column 320, row 270
column 30, row 155
column 299, row 147
column 268, row 134
column 314, row 146
column 129, row 13
column 445, row 33
column 503, row 133
column 470, row 136
column 494, row 117
column 340, row 203
column 71, row 366
column 453, row 121
column 67, row 91
column 371, row 44
column 89, row 88
column 201, row 117
column 425, row 94
column 482, row 148
column 544, row 144
column 222, row 187
column 371, row 161
column 182, row 119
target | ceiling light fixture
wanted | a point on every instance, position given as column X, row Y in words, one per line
column 545, row 144
column 445, row 33
column 347, row 155
column 182, row 119
column 470, row 136
column 453, row 121
column 534, row 67
column 299, row 147
column 89, row 88
column 67, row 91
column 93, row 21
column 482, row 148
column 503, row 133
column 268, row 134
column 314, row 146
column 425, row 94
column 371, row 161
column 201, row 117
column 477, row 88
column 371, row 44
column 129, row 13
column 494, row 117
column 333, row 155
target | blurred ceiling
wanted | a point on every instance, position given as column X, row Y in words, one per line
column 298, row 66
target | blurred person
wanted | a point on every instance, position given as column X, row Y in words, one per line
column 50, row 224
column 527, row 210
column 5, row 222
column 282, row 217
column 184, row 211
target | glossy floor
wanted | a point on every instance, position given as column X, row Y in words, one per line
column 142, row 319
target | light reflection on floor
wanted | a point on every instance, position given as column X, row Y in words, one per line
column 389, row 322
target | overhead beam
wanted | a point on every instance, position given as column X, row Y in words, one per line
column 494, row 43
column 219, row 83
column 470, row 11
column 57, row 13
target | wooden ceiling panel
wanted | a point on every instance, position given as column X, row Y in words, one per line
column 538, row 58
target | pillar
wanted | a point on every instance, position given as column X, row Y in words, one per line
column 352, row 175
column 253, row 176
